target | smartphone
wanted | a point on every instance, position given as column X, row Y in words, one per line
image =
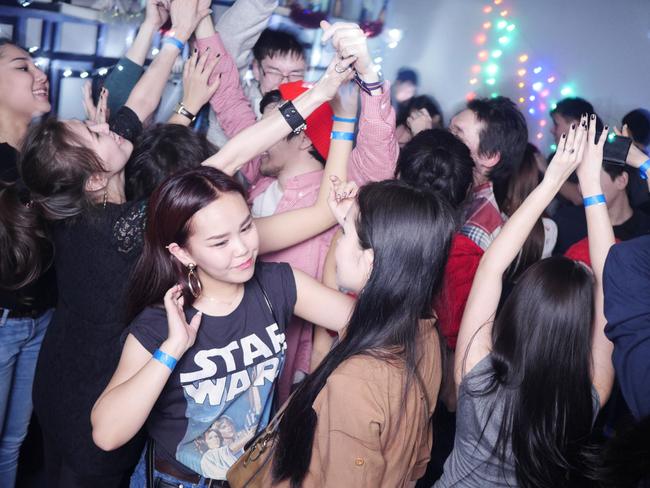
column 616, row 149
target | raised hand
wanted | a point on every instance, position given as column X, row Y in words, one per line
column 96, row 114
column 349, row 40
column 341, row 197
column 568, row 155
column 181, row 334
column 346, row 101
column 186, row 15
column 197, row 89
column 418, row 121
column 156, row 13
column 592, row 161
column 338, row 72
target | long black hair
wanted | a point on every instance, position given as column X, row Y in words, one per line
column 541, row 361
column 409, row 231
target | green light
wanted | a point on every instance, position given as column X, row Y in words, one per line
column 553, row 147
column 502, row 24
column 494, row 95
column 553, row 106
column 566, row 91
column 497, row 53
column 611, row 137
column 511, row 27
column 504, row 40
column 491, row 69
column 490, row 81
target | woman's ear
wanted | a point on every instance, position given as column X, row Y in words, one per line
column 96, row 182
column 180, row 253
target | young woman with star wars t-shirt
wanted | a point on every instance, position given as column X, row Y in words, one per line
column 225, row 325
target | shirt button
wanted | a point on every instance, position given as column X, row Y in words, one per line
column 359, row 461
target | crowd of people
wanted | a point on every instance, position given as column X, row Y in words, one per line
column 405, row 302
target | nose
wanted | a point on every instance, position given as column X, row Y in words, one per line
column 240, row 247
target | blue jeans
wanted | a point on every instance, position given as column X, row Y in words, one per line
column 160, row 480
column 20, row 341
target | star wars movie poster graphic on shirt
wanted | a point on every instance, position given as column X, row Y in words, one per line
column 229, row 397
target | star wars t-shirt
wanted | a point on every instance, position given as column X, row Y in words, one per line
column 221, row 391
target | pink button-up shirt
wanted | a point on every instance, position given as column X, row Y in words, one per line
column 373, row 159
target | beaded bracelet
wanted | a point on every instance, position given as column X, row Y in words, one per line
column 594, row 200
column 166, row 359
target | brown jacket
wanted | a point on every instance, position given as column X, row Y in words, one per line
column 368, row 434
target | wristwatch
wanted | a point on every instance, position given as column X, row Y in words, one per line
column 293, row 118
column 182, row 110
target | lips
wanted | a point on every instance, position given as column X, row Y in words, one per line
column 245, row 265
column 40, row 93
column 118, row 139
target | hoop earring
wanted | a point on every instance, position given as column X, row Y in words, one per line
column 196, row 288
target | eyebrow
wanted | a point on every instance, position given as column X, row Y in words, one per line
column 246, row 221
column 21, row 58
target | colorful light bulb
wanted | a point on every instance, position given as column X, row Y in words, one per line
column 523, row 58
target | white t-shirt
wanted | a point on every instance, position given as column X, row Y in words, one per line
column 266, row 203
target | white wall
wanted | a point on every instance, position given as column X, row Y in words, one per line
column 602, row 46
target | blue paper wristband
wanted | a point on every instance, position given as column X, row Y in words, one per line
column 176, row 42
column 335, row 118
column 166, row 359
column 594, row 200
column 343, row 136
column 643, row 170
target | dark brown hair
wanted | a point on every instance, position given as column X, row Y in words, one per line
column 520, row 185
column 56, row 166
column 171, row 208
column 26, row 249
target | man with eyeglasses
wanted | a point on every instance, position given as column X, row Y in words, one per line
column 278, row 57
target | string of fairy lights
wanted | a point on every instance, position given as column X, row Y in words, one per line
column 537, row 85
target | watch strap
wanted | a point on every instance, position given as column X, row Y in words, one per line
column 182, row 110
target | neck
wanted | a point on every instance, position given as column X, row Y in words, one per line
column 305, row 163
column 479, row 178
column 218, row 297
column 13, row 128
column 619, row 210
column 115, row 189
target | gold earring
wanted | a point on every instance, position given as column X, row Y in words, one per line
column 196, row 287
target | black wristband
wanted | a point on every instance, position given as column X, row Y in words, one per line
column 293, row 118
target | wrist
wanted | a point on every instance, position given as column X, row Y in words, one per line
column 180, row 34
column 173, row 348
column 589, row 189
column 369, row 75
column 148, row 26
column 192, row 105
column 636, row 160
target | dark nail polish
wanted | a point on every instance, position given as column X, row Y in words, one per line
column 593, row 116
column 606, row 128
column 563, row 136
column 218, row 55
column 573, row 126
column 195, row 50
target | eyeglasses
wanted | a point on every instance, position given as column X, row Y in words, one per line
column 276, row 76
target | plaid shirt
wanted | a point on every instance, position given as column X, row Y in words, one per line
column 484, row 219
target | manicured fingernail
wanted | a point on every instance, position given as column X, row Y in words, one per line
column 606, row 128
column 573, row 126
column 563, row 136
column 218, row 55
column 593, row 116
column 195, row 50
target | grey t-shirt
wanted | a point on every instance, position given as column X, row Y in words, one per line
column 472, row 463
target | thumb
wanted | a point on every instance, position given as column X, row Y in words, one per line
column 196, row 321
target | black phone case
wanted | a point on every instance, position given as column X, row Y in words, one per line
column 615, row 151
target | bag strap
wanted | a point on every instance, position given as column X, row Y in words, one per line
column 149, row 463
column 266, row 299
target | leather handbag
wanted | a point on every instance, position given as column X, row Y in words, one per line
column 254, row 468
